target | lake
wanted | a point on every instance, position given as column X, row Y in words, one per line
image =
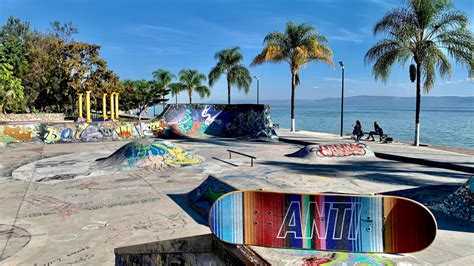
column 446, row 126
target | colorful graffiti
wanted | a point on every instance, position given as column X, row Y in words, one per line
column 341, row 150
column 202, row 198
column 460, row 203
column 18, row 133
column 80, row 132
column 342, row 258
column 334, row 151
column 201, row 120
column 155, row 155
column 188, row 120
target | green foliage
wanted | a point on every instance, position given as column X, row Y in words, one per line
column 229, row 64
column 11, row 90
column 191, row 80
column 139, row 94
column 421, row 31
column 297, row 46
column 53, row 67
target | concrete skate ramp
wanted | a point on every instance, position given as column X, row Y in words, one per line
column 158, row 154
column 334, row 151
column 195, row 250
column 459, row 204
column 201, row 198
column 250, row 121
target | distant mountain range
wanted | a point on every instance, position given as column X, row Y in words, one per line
column 378, row 101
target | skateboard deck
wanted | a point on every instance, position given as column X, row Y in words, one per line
column 331, row 222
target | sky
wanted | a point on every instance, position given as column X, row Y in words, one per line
column 138, row 37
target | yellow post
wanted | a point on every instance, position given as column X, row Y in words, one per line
column 116, row 106
column 88, row 106
column 112, row 115
column 80, row 105
column 104, row 106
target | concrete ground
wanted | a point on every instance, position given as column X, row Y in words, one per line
column 82, row 219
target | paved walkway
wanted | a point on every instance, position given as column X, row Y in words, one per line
column 454, row 159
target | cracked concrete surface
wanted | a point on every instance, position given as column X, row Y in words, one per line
column 81, row 218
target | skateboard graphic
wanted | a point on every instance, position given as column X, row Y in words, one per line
column 331, row 222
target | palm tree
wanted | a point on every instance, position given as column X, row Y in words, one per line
column 163, row 79
column 191, row 80
column 298, row 45
column 423, row 31
column 228, row 63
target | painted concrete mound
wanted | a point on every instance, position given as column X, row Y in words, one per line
column 334, row 151
column 459, row 204
column 201, row 198
column 159, row 154
column 250, row 121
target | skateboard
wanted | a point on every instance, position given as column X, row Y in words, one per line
column 323, row 221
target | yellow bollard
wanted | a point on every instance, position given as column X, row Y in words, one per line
column 104, row 106
column 116, row 106
column 88, row 107
column 112, row 115
column 80, row 105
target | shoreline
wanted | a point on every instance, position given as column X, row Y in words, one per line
column 465, row 151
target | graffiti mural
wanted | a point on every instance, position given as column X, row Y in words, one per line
column 460, row 203
column 202, row 198
column 80, row 132
column 181, row 120
column 201, row 120
column 341, row 150
column 334, row 151
column 19, row 133
column 150, row 155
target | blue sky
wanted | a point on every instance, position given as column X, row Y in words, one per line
column 138, row 37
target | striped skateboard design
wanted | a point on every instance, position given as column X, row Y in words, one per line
column 332, row 222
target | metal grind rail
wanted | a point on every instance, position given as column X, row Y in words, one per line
column 243, row 154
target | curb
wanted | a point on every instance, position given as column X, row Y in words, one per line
column 386, row 156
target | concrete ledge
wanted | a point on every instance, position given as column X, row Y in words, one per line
column 188, row 251
column 405, row 159
column 444, row 165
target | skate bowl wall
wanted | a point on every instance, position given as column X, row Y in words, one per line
column 459, row 204
column 250, row 121
column 79, row 132
column 334, row 151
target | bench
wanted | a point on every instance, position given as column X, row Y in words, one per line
column 384, row 139
column 243, row 154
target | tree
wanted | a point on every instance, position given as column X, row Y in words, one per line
column 298, row 45
column 228, row 63
column 163, row 79
column 191, row 80
column 139, row 94
column 13, row 37
column 422, row 31
column 11, row 90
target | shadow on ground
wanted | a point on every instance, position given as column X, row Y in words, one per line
column 376, row 171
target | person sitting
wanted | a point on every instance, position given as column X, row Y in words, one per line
column 357, row 132
column 377, row 131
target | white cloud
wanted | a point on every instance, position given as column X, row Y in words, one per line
column 339, row 80
column 348, row 36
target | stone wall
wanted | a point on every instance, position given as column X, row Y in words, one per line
column 32, row 117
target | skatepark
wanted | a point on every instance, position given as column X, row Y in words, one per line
column 145, row 200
